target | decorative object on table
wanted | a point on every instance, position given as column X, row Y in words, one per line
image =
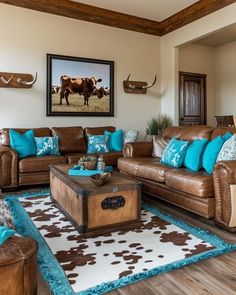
column 137, row 87
column 154, row 242
column 88, row 162
column 101, row 164
column 89, row 80
column 157, row 125
column 130, row 136
column 97, row 144
column 17, row 80
column 100, row 179
column 78, row 171
column 48, row 145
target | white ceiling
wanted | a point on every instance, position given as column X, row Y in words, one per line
column 220, row 37
column 157, row 10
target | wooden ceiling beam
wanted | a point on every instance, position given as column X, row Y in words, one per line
column 120, row 20
column 192, row 13
column 90, row 13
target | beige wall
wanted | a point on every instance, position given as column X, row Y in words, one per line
column 169, row 53
column 200, row 59
column 27, row 36
column 225, row 64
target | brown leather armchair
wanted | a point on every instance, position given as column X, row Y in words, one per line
column 224, row 177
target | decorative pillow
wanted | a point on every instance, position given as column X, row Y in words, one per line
column 175, row 152
column 159, row 145
column 47, row 146
column 97, row 144
column 130, row 136
column 228, row 150
column 227, row 136
column 6, row 218
column 115, row 140
column 5, row 233
column 194, row 153
column 23, row 144
column 211, row 152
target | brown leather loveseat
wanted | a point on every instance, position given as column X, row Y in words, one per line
column 33, row 170
column 207, row 195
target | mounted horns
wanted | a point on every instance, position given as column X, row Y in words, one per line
column 20, row 81
column 140, row 87
column 6, row 82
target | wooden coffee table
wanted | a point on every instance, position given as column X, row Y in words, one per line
column 93, row 209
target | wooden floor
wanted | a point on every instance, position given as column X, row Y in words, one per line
column 216, row 276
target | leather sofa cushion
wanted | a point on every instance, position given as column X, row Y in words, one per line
column 109, row 158
column 188, row 132
column 39, row 164
column 199, row 183
column 222, row 130
column 71, row 139
column 38, row 132
column 148, row 168
column 97, row 130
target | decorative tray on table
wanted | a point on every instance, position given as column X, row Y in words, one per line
column 77, row 171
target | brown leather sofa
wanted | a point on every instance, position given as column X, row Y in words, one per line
column 207, row 195
column 34, row 170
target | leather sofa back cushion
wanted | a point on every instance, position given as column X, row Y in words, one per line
column 222, row 130
column 188, row 133
column 38, row 132
column 97, row 130
column 71, row 139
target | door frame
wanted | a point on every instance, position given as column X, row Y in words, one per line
column 205, row 93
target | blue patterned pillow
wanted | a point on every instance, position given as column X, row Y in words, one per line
column 47, row 146
column 130, row 136
column 97, row 144
column 175, row 152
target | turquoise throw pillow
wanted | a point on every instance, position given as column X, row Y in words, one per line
column 211, row 152
column 24, row 144
column 115, row 140
column 97, row 144
column 47, row 146
column 194, row 153
column 227, row 136
column 174, row 153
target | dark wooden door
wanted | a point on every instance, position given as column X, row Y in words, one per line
column 192, row 99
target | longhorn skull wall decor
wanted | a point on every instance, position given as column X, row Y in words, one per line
column 17, row 80
column 137, row 87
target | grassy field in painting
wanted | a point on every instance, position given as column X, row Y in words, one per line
column 76, row 102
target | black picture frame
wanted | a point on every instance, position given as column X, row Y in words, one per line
column 78, row 79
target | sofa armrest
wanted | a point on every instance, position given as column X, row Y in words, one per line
column 8, row 168
column 138, row 149
column 224, row 177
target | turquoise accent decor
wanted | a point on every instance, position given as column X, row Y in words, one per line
column 227, row 136
column 24, row 144
column 174, row 153
column 115, row 140
column 228, row 150
column 194, row 153
column 97, row 144
column 47, row 146
column 211, row 152
column 57, row 280
column 5, row 233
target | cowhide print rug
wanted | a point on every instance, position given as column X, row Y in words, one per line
column 100, row 264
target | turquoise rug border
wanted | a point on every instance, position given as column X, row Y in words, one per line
column 57, row 279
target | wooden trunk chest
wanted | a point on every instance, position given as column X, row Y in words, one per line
column 92, row 209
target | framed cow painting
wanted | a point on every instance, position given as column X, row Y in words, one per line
column 79, row 86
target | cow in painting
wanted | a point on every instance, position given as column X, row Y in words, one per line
column 82, row 86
